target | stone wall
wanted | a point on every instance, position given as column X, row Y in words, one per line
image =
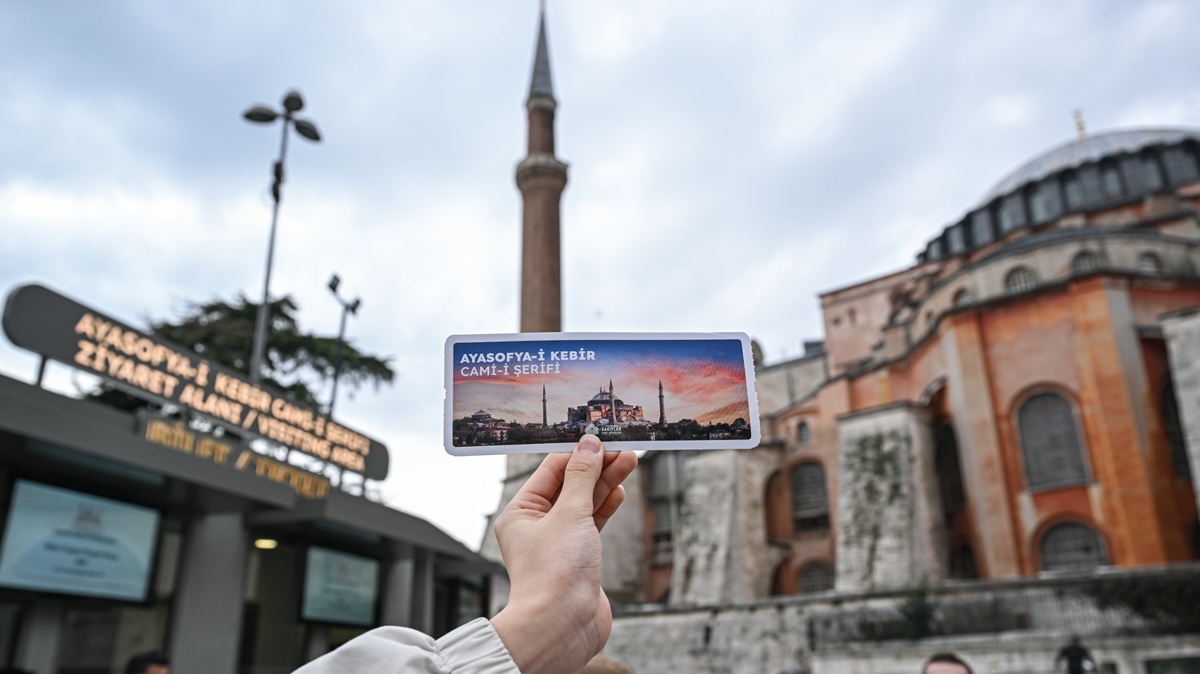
column 889, row 533
column 1182, row 330
column 1021, row 630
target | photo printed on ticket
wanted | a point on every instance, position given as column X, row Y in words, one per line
column 539, row 392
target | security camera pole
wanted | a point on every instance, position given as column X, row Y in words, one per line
column 348, row 307
column 261, row 114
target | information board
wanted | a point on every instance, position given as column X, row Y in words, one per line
column 66, row 542
column 339, row 588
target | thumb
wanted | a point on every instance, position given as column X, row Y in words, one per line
column 581, row 474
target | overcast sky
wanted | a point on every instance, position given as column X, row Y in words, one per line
column 729, row 160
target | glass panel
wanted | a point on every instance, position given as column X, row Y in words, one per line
column 1046, row 203
column 1091, row 183
column 1148, row 263
column 802, row 433
column 1050, row 442
column 981, row 227
column 1151, row 173
column 956, row 240
column 1072, row 546
column 1012, row 213
column 101, row 639
column 1020, row 280
column 808, row 490
column 1074, row 193
column 1085, row 262
column 273, row 637
column 1112, row 183
column 816, row 578
column 1181, row 165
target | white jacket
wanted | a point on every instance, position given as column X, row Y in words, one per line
column 474, row 648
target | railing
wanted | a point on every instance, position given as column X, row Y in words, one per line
column 1106, row 604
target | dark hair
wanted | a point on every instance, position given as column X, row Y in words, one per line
column 948, row 658
column 141, row 662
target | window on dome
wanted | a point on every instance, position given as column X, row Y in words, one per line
column 1074, row 192
column 1012, row 213
column 816, row 577
column 1085, row 262
column 1149, row 263
column 956, row 240
column 1151, row 173
column 1050, row 442
column 810, row 501
column 1019, row 280
column 1092, row 185
column 1072, row 546
column 1112, row 183
column 963, row 297
column 1046, row 202
column 1181, row 165
column 981, row 227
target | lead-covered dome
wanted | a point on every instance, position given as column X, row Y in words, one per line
column 1099, row 171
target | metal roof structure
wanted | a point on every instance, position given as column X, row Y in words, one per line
column 541, row 86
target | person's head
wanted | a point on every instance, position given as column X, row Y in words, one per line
column 1075, row 640
column 150, row 662
column 946, row 663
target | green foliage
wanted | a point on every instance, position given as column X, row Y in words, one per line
column 297, row 361
column 917, row 611
column 1169, row 600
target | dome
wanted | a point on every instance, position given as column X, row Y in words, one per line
column 1100, row 171
column 1086, row 150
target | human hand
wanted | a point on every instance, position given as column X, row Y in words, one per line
column 558, row 616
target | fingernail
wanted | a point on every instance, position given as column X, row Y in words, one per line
column 589, row 443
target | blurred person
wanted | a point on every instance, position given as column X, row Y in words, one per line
column 946, row 663
column 557, row 618
column 150, row 662
column 1077, row 657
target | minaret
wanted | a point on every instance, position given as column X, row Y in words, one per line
column 544, row 406
column 541, row 177
column 612, row 400
column 662, row 411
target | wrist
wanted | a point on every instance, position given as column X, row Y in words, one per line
column 539, row 640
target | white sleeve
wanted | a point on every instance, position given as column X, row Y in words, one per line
column 474, row 648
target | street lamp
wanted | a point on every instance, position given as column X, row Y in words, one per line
column 347, row 308
column 261, row 114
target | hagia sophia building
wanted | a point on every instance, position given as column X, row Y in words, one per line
column 1020, row 404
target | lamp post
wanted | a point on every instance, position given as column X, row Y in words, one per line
column 261, row 114
column 348, row 307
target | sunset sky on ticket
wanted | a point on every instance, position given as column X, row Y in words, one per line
column 703, row 379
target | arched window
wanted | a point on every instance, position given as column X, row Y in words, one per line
column 816, row 577
column 1174, row 430
column 1085, row 262
column 1073, row 191
column 810, row 502
column 1050, row 442
column 803, row 434
column 962, row 563
column 1072, row 546
column 1149, row 263
column 963, row 297
column 1019, row 280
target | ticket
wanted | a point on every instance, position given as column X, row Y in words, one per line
column 539, row 392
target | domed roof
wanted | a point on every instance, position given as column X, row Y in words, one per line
column 1085, row 150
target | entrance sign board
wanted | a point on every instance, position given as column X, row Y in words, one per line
column 71, row 543
column 54, row 326
column 339, row 588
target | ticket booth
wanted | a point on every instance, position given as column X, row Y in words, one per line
column 174, row 529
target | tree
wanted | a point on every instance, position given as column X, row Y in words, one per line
column 296, row 361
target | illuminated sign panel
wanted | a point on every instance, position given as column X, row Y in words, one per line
column 42, row 321
column 63, row 541
column 339, row 588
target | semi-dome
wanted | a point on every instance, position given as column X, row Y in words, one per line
column 1100, row 171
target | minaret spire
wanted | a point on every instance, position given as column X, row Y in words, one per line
column 662, row 410
column 544, row 406
column 541, row 177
